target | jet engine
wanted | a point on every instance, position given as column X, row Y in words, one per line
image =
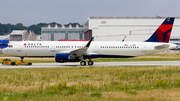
column 4, row 43
column 65, row 58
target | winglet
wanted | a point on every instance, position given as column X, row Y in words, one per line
column 88, row 44
column 81, row 51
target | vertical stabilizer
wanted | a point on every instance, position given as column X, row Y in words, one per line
column 163, row 33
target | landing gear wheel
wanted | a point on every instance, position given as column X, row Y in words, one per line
column 29, row 64
column 83, row 63
column 13, row 63
column 90, row 63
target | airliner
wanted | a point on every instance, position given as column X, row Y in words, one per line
column 74, row 51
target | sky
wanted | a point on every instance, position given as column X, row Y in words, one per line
column 29, row 12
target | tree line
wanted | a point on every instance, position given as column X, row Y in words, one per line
column 8, row 28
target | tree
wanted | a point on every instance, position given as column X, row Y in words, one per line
column 8, row 28
column 19, row 26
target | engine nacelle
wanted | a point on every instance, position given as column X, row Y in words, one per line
column 65, row 58
column 4, row 43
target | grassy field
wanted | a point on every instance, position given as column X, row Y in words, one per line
column 152, row 57
column 93, row 83
column 125, row 83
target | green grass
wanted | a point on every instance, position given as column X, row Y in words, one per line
column 91, row 83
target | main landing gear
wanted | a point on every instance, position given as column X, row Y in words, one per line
column 90, row 63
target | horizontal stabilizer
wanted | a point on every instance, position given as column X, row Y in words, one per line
column 162, row 46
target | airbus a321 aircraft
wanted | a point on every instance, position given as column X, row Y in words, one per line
column 74, row 51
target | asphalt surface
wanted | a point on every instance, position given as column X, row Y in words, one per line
column 77, row 64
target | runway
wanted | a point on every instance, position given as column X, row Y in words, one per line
column 77, row 64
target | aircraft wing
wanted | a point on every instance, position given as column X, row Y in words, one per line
column 162, row 46
column 81, row 51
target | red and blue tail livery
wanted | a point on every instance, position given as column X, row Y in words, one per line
column 163, row 33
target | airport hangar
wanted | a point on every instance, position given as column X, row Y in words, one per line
column 111, row 29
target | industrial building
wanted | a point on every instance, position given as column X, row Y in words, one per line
column 125, row 28
column 62, row 33
column 21, row 35
column 111, row 29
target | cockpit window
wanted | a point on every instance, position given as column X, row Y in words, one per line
column 10, row 46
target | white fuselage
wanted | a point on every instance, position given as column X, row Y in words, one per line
column 99, row 48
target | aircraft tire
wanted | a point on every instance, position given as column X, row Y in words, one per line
column 83, row 63
column 90, row 63
column 29, row 64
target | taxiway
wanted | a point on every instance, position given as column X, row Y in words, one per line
column 76, row 64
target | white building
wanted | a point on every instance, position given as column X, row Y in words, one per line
column 21, row 35
column 16, row 35
column 130, row 28
column 61, row 33
column 4, row 37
